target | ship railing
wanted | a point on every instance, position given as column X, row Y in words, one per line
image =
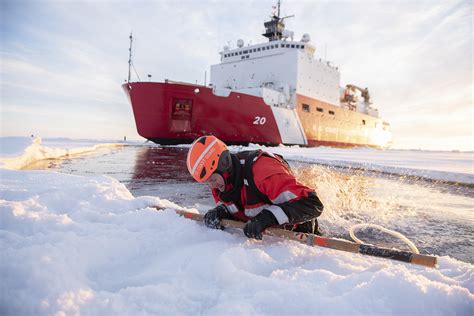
column 185, row 83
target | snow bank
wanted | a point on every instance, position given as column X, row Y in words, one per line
column 19, row 152
column 86, row 245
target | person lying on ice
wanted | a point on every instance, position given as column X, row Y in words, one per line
column 255, row 187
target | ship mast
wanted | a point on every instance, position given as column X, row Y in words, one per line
column 130, row 58
column 275, row 27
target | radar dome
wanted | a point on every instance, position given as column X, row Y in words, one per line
column 306, row 38
column 240, row 43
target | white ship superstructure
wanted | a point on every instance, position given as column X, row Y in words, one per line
column 285, row 67
column 271, row 93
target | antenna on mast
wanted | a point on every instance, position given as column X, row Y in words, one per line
column 275, row 27
column 130, row 58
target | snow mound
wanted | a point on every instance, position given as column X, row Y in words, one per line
column 19, row 152
column 73, row 244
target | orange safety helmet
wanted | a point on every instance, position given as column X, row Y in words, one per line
column 203, row 157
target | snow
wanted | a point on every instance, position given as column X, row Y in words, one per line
column 19, row 152
column 85, row 245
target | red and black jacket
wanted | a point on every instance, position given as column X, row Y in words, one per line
column 261, row 180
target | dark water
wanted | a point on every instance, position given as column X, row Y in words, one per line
column 437, row 217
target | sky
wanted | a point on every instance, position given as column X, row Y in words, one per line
column 63, row 62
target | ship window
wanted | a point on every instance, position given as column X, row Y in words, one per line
column 272, row 47
column 363, row 122
column 263, row 48
column 319, row 110
column 305, row 107
column 258, row 49
column 302, row 46
column 243, row 57
column 276, row 46
column 246, row 51
column 331, row 112
column 292, row 45
column 240, row 53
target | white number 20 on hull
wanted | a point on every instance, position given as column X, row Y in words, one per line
column 259, row 120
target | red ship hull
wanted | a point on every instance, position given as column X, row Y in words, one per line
column 176, row 113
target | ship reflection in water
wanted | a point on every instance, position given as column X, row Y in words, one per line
column 161, row 164
column 162, row 172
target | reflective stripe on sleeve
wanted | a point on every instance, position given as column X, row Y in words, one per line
column 232, row 208
column 281, row 217
column 252, row 212
column 284, row 197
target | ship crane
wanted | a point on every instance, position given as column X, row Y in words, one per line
column 350, row 97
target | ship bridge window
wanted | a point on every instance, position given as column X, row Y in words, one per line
column 319, row 109
column 331, row 112
column 246, row 51
column 292, row 45
column 305, row 107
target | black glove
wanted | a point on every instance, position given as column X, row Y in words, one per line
column 212, row 218
column 255, row 227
